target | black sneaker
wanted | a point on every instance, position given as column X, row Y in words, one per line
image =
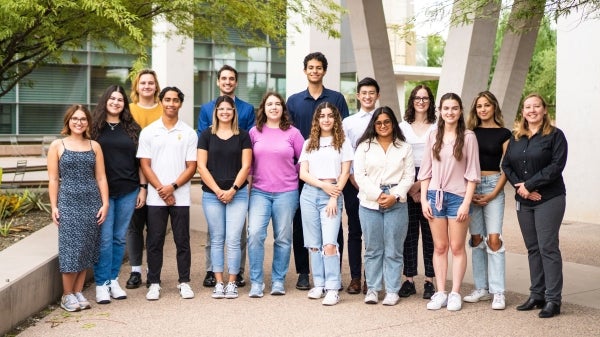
column 209, row 280
column 407, row 289
column 303, row 282
column 428, row 290
column 239, row 280
column 135, row 280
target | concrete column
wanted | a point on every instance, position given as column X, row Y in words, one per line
column 468, row 55
column 577, row 86
column 514, row 58
column 301, row 41
column 372, row 48
column 173, row 61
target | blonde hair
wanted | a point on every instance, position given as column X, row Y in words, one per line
column 522, row 127
column 235, row 128
column 135, row 95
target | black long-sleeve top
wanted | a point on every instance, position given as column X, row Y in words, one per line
column 538, row 162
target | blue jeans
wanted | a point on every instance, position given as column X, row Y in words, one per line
column 488, row 265
column 225, row 223
column 113, row 233
column 384, row 232
column 320, row 230
column 281, row 208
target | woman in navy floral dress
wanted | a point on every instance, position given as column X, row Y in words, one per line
column 79, row 199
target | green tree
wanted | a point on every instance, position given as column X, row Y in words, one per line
column 34, row 32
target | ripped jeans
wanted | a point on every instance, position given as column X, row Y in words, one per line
column 320, row 230
column 488, row 265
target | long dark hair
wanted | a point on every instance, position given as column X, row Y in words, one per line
column 461, row 127
column 371, row 134
column 261, row 117
column 131, row 127
column 409, row 115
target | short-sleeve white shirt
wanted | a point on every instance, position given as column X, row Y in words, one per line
column 326, row 161
column 355, row 126
column 168, row 150
column 417, row 143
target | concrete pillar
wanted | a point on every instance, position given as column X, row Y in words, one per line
column 301, row 41
column 577, row 86
column 468, row 55
column 173, row 61
column 372, row 48
column 514, row 58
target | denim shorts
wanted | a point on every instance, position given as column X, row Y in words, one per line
column 450, row 204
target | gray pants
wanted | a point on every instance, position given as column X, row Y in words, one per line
column 540, row 225
column 243, row 241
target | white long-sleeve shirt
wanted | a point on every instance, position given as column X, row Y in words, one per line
column 374, row 167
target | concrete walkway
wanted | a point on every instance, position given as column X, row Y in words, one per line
column 295, row 315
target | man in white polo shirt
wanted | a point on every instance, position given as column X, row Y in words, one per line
column 167, row 152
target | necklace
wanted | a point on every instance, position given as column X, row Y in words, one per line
column 112, row 125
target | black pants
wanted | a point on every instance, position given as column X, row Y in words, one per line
column 300, row 252
column 135, row 236
column 351, row 203
column 158, row 217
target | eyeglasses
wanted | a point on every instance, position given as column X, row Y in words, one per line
column 224, row 109
column 421, row 99
column 76, row 120
column 386, row 122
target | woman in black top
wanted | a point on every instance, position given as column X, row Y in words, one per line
column 485, row 119
column 534, row 161
column 117, row 132
column 224, row 158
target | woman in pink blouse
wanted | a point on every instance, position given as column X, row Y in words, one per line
column 449, row 173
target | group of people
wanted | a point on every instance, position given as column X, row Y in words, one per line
column 126, row 167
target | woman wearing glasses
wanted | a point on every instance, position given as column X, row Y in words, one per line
column 117, row 133
column 224, row 158
column 78, row 194
column 419, row 121
column 384, row 171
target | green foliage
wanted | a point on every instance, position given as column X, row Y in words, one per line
column 15, row 204
column 35, row 32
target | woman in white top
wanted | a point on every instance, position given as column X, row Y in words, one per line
column 384, row 171
column 419, row 121
column 324, row 167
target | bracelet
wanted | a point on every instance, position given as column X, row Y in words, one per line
column 175, row 186
column 144, row 186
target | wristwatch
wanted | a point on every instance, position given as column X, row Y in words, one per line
column 397, row 198
column 144, row 186
column 175, row 186
column 235, row 187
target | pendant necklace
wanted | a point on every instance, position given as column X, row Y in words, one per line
column 112, row 125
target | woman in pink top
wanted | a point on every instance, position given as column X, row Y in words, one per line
column 274, row 196
column 449, row 173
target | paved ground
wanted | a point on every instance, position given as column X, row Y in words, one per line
column 295, row 315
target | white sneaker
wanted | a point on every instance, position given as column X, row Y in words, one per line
column 478, row 295
column 116, row 291
column 454, row 302
column 103, row 294
column 316, row 293
column 153, row 293
column 219, row 291
column 185, row 290
column 231, row 290
column 391, row 299
column 438, row 300
column 372, row 297
column 83, row 302
column 331, row 298
column 498, row 303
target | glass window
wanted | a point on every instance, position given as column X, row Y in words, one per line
column 7, row 118
column 56, row 84
column 41, row 118
column 103, row 77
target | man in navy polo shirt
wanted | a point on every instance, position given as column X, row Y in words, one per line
column 301, row 107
